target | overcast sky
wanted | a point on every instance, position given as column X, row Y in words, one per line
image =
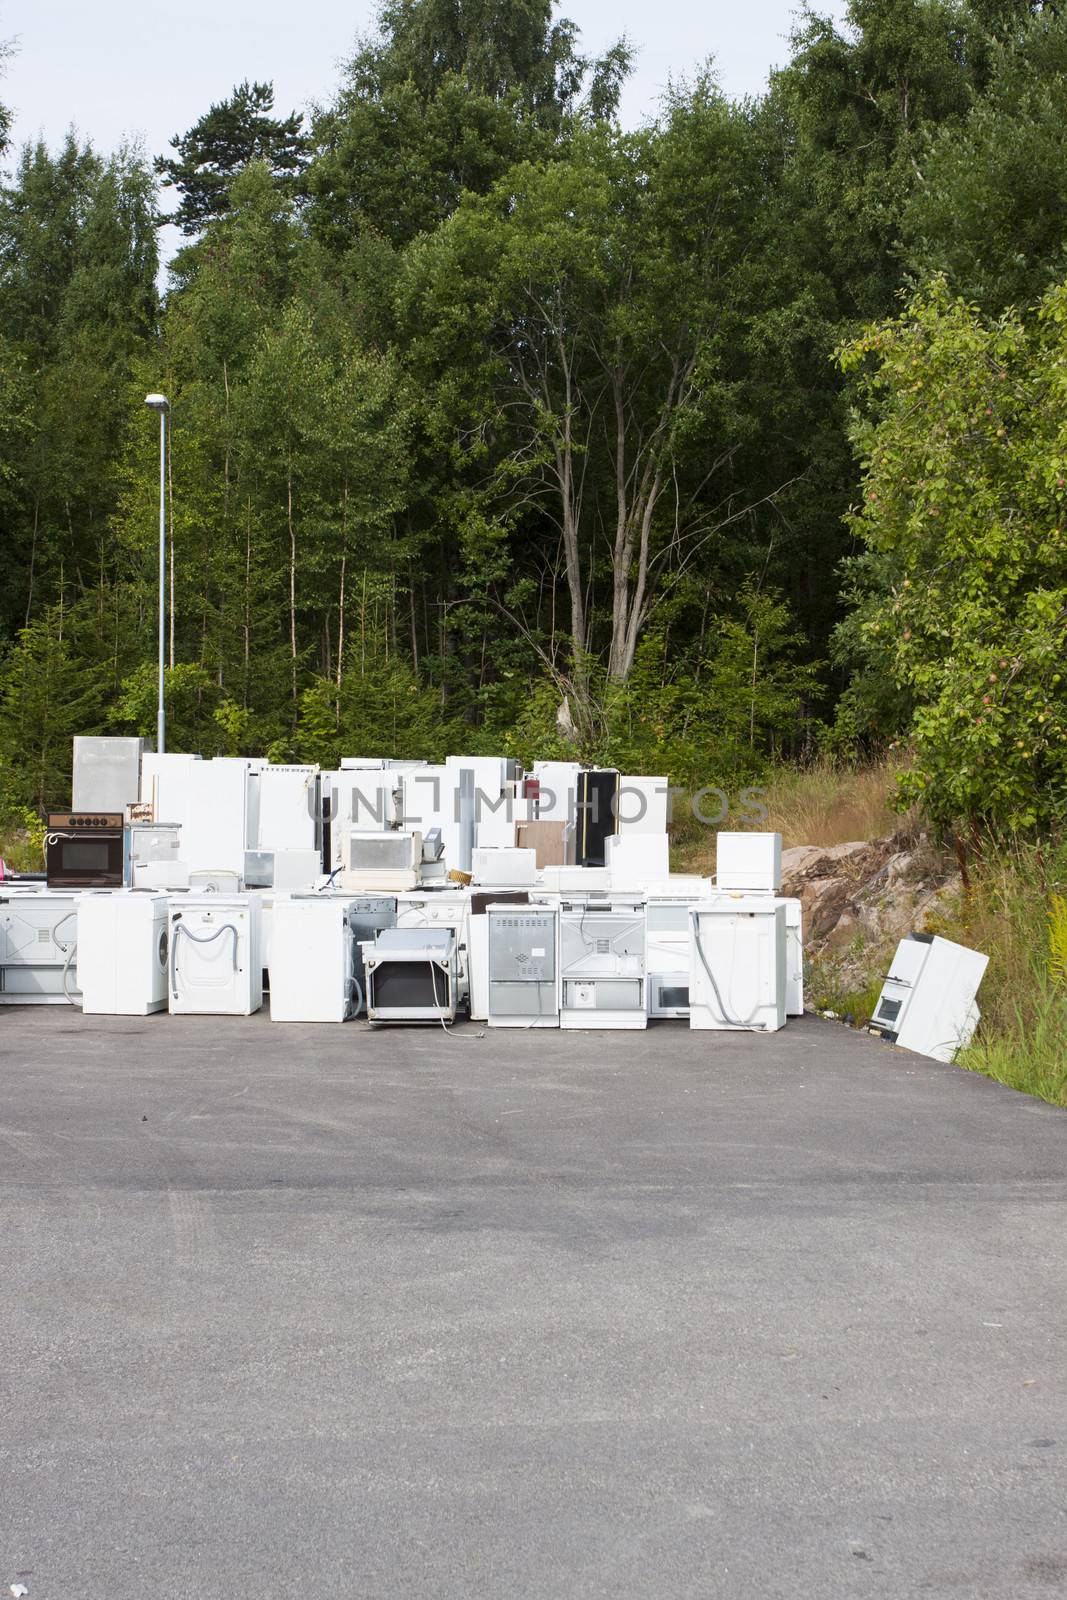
column 128, row 68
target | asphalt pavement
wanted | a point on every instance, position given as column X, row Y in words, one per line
column 327, row 1311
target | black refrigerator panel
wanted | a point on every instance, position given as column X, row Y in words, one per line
column 597, row 819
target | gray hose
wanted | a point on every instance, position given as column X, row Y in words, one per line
column 735, row 1022
column 208, row 938
column 66, row 972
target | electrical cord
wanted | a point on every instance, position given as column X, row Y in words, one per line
column 66, row 971
column 735, row 1022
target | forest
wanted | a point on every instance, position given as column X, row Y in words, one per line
column 737, row 438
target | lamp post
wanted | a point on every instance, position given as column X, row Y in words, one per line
column 160, row 403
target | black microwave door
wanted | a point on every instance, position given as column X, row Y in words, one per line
column 85, row 860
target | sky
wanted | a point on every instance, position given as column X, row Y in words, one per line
column 128, row 70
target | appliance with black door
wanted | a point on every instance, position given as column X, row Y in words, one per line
column 597, row 819
column 412, row 975
column 86, row 850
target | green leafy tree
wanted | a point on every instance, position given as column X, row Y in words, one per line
column 964, row 513
column 230, row 136
column 443, row 99
column 46, row 696
column 579, row 329
column 989, row 208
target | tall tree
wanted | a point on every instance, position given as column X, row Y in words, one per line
column 989, row 207
column 443, row 98
column 579, row 326
column 227, row 138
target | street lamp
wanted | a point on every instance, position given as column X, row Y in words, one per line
column 160, row 403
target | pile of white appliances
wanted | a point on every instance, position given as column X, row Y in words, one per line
column 412, row 892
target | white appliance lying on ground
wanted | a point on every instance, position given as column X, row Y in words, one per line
column 216, row 954
column 521, row 950
column 313, row 960
column 928, row 1001
column 412, row 975
column 122, row 953
column 737, row 972
column 602, row 963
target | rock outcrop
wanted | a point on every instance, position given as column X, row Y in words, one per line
column 861, row 898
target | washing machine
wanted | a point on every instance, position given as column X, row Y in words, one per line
column 123, row 940
column 216, row 954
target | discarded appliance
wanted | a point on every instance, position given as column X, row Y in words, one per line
column 281, row 869
column 794, row 958
column 597, row 814
column 106, row 774
column 386, row 861
column 635, row 859
column 215, row 881
column 749, row 861
column 122, row 953
column 313, row 960
column 38, row 947
column 548, row 840
column 86, row 850
column 669, row 943
column 643, row 805
column 216, row 954
column 523, row 990
column 153, row 844
column 737, row 972
column 602, row 963
column 285, row 809
column 504, row 868
column 412, row 975
column 928, row 1001
column 213, row 801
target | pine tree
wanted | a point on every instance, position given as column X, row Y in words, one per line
column 226, row 139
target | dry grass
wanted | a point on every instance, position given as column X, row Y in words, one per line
column 824, row 803
column 828, row 804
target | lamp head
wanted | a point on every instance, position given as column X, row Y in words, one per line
column 157, row 402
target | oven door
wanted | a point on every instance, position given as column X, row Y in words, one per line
column 81, row 860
